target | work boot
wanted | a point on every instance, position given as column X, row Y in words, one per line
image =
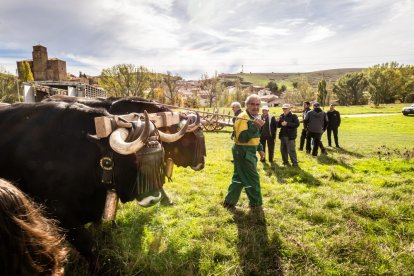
column 229, row 206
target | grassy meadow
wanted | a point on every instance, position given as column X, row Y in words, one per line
column 348, row 213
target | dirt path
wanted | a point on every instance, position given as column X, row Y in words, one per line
column 370, row 115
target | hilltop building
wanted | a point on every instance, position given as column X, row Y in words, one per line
column 51, row 78
column 45, row 69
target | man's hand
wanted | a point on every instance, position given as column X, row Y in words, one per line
column 262, row 155
column 258, row 122
column 284, row 123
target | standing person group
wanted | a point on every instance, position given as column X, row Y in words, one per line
column 334, row 121
column 246, row 144
column 288, row 124
column 315, row 123
column 251, row 134
column 268, row 133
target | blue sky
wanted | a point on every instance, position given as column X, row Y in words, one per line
column 195, row 37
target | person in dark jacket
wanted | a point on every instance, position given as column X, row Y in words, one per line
column 236, row 107
column 315, row 122
column 268, row 133
column 288, row 124
column 334, row 122
column 306, row 109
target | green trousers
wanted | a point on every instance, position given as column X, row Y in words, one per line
column 245, row 176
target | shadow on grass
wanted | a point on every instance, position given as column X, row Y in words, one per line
column 258, row 255
column 110, row 246
column 328, row 160
column 347, row 152
column 295, row 174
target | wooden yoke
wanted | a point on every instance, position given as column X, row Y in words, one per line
column 106, row 124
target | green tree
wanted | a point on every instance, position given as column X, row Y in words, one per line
column 283, row 88
column 125, row 80
column 406, row 94
column 25, row 72
column 155, row 83
column 385, row 82
column 302, row 92
column 192, row 102
column 350, row 88
column 322, row 92
column 273, row 87
column 8, row 88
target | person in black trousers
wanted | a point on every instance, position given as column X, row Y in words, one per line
column 306, row 109
column 315, row 122
column 334, row 122
column 268, row 133
column 288, row 124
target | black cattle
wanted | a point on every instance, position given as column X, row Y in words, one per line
column 48, row 151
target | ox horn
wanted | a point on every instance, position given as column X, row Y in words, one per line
column 195, row 125
column 150, row 200
column 169, row 138
column 117, row 139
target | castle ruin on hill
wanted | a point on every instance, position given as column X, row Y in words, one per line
column 45, row 69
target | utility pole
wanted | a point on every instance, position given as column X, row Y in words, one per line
column 17, row 84
column 18, row 92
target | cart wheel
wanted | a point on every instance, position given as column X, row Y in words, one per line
column 209, row 126
column 218, row 126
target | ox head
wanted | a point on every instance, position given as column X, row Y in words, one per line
column 186, row 150
column 190, row 149
column 141, row 146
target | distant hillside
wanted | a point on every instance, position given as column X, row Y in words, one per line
column 288, row 78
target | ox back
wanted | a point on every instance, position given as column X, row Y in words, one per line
column 47, row 152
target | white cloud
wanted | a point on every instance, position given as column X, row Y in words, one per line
column 317, row 33
column 191, row 36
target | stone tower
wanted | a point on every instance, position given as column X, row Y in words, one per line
column 40, row 59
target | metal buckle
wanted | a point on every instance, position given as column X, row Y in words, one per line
column 106, row 163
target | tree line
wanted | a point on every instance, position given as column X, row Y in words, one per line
column 382, row 83
column 379, row 84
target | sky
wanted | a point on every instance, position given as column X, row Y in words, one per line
column 194, row 37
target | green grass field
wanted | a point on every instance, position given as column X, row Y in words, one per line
column 348, row 213
column 344, row 110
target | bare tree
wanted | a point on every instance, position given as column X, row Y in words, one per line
column 171, row 83
column 210, row 86
column 302, row 92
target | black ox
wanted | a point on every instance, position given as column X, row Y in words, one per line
column 49, row 151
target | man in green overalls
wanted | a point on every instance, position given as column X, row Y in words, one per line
column 247, row 142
